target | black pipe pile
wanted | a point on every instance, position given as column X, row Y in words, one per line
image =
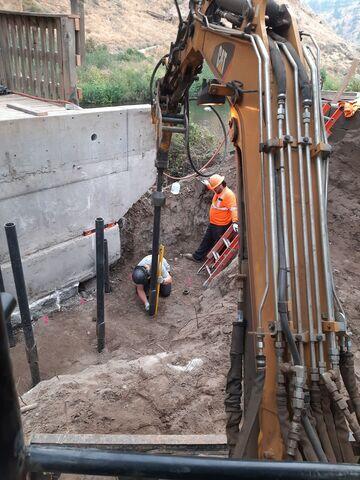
column 16, row 263
column 100, row 284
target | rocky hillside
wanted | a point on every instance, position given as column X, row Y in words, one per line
column 141, row 24
column 342, row 15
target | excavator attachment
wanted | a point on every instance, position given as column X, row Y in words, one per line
column 291, row 343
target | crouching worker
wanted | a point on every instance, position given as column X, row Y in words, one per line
column 141, row 277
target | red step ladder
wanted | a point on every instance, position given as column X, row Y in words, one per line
column 330, row 121
column 223, row 252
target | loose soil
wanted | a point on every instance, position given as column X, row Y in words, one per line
column 154, row 376
column 167, row 374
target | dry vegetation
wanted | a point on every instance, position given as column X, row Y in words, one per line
column 122, row 24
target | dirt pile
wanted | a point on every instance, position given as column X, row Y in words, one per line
column 178, row 388
column 184, row 217
column 155, row 370
column 167, row 375
column 344, row 217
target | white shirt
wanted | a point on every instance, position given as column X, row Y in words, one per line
column 165, row 267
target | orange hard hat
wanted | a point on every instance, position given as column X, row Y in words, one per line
column 215, row 181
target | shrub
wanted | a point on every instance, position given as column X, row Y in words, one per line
column 354, row 85
column 99, row 57
column 114, row 78
column 31, row 6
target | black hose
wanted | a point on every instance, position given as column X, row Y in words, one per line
column 282, row 297
column 278, row 16
column 178, row 12
column 187, row 136
column 283, row 314
column 304, row 82
column 160, row 62
column 278, row 66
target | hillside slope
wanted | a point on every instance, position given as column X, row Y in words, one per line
column 121, row 24
column 342, row 15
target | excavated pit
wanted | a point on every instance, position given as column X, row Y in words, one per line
column 167, row 374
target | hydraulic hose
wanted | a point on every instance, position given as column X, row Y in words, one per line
column 178, row 12
column 160, row 62
column 283, row 315
column 280, row 75
column 304, row 81
column 187, row 137
column 278, row 67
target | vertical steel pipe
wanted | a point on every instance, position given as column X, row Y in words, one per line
column 263, row 188
column 9, row 328
column 313, row 359
column 294, row 235
column 100, row 280
column 271, row 166
column 107, row 268
column 16, row 264
column 158, row 199
column 325, row 170
column 2, row 286
column 12, row 449
column 333, row 351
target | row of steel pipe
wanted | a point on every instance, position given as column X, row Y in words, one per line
column 304, row 224
column 345, row 338
column 333, row 349
column 271, row 187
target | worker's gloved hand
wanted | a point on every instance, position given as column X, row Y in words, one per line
column 236, row 227
column 160, row 280
column 206, row 185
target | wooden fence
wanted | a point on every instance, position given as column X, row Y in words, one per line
column 38, row 54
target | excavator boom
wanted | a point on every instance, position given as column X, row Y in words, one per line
column 296, row 341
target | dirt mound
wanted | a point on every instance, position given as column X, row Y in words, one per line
column 155, row 370
column 167, row 375
column 177, row 389
column 344, row 217
column 184, row 216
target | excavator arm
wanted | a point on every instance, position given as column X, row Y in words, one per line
column 296, row 342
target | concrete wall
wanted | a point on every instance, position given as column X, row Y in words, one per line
column 57, row 174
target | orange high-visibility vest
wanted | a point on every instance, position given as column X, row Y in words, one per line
column 223, row 208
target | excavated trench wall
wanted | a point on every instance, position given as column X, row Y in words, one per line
column 57, row 174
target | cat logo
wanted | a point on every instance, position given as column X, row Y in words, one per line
column 222, row 56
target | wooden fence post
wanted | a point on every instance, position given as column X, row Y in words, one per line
column 69, row 59
column 78, row 8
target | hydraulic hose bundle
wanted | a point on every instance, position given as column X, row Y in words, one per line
column 328, row 407
column 297, row 332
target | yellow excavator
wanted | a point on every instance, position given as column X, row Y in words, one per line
column 292, row 404
column 290, row 344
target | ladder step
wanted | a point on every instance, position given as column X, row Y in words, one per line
column 174, row 129
column 208, row 269
column 226, row 242
column 175, row 120
column 216, row 255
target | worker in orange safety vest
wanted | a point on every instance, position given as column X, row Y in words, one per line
column 223, row 213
